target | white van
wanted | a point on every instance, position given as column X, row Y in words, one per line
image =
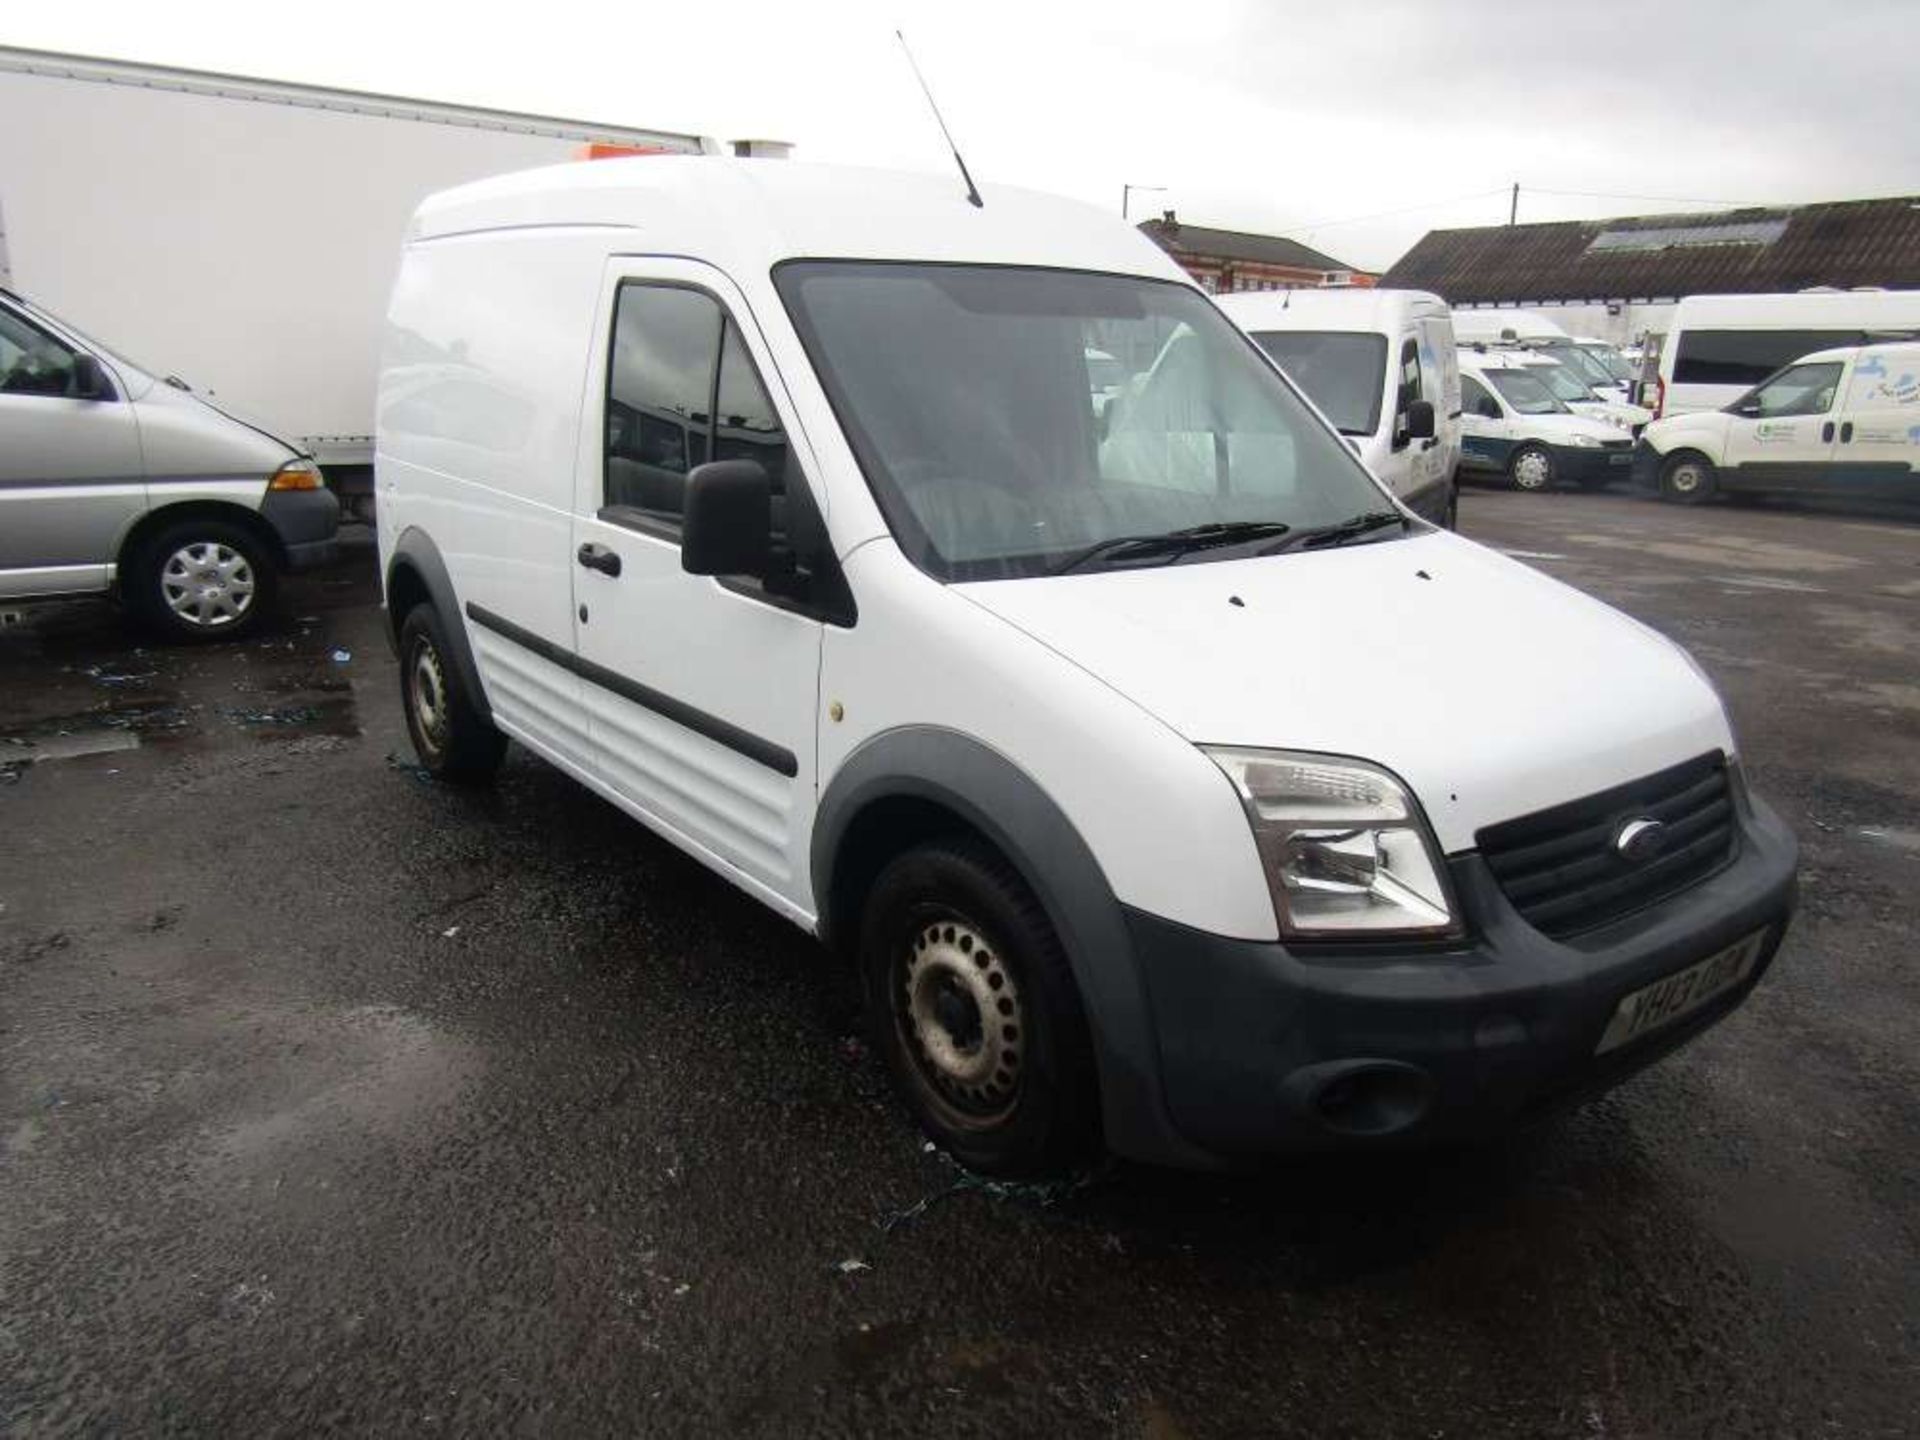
column 1513, row 425
column 1569, row 386
column 1142, row 774
column 1844, row 421
column 1719, row 347
column 1374, row 361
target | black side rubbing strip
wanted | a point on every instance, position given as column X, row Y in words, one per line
column 774, row 757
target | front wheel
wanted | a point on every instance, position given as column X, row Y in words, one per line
column 1531, row 468
column 1688, row 478
column 452, row 738
column 200, row 580
column 972, row 1002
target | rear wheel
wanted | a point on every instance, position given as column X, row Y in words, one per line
column 452, row 738
column 1531, row 468
column 971, row 999
column 201, row 579
column 1688, row 478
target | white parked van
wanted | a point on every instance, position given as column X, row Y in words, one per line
column 1513, row 425
column 1570, row 388
column 1139, row 764
column 1719, row 347
column 1376, row 362
column 1837, row 422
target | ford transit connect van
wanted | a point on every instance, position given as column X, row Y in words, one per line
column 1844, row 421
column 1138, row 762
column 1380, row 366
column 113, row 481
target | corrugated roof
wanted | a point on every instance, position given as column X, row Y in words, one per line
column 1845, row 244
column 1176, row 237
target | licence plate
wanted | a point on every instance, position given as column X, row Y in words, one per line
column 1620, row 459
column 1680, row 994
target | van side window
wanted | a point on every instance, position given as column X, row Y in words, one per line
column 1409, row 389
column 660, row 399
column 1799, row 390
column 31, row 361
column 1475, row 399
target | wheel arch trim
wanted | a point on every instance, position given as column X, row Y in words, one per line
column 418, row 567
column 992, row 795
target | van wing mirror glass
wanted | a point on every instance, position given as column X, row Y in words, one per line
column 89, row 380
column 1420, row 420
column 1748, row 408
column 727, row 527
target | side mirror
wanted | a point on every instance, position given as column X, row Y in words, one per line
column 1420, row 420
column 1748, row 408
column 727, row 526
column 89, row 380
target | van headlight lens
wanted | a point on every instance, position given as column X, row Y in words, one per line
column 1585, row 442
column 1346, row 851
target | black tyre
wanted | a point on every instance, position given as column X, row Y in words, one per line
column 1688, row 478
column 973, row 1003
column 451, row 737
column 201, row 580
column 1531, row 467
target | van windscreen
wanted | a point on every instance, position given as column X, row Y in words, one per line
column 1344, row 372
column 966, row 395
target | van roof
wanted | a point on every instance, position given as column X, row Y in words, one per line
column 1355, row 308
column 1906, row 349
column 745, row 215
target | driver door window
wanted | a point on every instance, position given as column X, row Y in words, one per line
column 32, row 362
column 1409, row 392
column 1797, row 390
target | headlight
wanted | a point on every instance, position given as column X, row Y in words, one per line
column 1346, row 850
column 1585, row 442
column 300, row 474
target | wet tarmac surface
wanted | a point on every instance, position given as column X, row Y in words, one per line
column 333, row 1097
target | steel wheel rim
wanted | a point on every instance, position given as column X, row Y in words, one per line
column 1532, row 471
column 1686, row 478
column 208, row 585
column 963, row 1019
column 427, row 692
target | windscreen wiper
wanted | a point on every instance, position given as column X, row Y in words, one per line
column 1341, row 531
column 1173, row 542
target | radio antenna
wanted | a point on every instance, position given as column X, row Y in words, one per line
column 973, row 191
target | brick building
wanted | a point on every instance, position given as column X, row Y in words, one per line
column 1228, row 260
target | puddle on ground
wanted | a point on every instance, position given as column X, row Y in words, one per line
column 333, row 715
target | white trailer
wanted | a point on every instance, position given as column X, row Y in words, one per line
column 242, row 234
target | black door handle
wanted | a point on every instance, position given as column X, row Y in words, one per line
column 1826, row 432
column 598, row 557
column 1846, row 433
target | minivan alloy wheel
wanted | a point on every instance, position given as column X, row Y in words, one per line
column 207, row 584
column 963, row 1014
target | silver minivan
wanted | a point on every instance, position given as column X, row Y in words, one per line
column 114, row 481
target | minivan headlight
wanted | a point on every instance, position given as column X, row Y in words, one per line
column 1346, row 850
column 1585, row 442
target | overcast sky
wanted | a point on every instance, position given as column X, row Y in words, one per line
column 1308, row 119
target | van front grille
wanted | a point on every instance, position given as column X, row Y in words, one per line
column 1563, row 870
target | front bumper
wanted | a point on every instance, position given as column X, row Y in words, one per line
column 307, row 522
column 1266, row 1048
column 1586, row 465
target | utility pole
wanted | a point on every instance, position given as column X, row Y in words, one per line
column 1126, row 195
column 1513, row 207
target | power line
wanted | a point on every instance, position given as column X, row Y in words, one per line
column 1403, row 210
column 1655, row 199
